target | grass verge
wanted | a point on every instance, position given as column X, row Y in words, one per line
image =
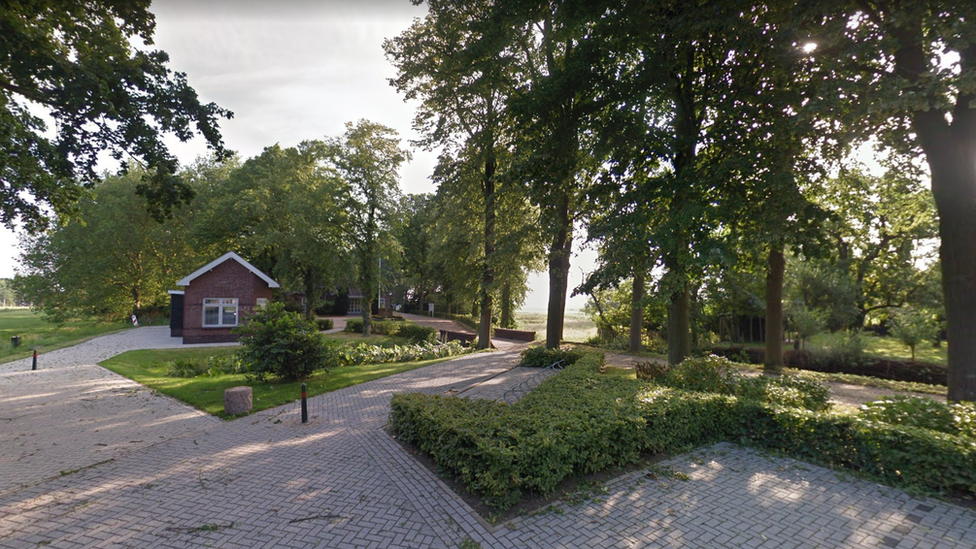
column 34, row 331
column 150, row 368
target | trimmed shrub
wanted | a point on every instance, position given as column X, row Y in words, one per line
column 579, row 422
column 787, row 390
column 364, row 353
column 884, row 368
column 705, row 374
column 279, row 343
column 416, row 332
column 354, row 326
column 324, row 323
column 540, row 357
column 923, row 413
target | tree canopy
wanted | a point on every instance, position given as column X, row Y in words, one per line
column 87, row 67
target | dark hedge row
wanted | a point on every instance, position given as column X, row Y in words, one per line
column 581, row 421
column 884, row 368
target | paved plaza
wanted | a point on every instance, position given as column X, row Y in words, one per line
column 90, row 459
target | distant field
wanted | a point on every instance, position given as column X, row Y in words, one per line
column 34, row 331
column 577, row 328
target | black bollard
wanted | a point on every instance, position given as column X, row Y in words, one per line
column 34, row 364
column 304, row 406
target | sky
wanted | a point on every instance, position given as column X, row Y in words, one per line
column 293, row 70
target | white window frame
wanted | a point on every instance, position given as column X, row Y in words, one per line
column 261, row 302
column 355, row 305
column 222, row 304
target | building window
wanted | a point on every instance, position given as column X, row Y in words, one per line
column 261, row 302
column 219, row 312
column 355, row 305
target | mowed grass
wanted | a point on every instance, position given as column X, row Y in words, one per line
column 888, row 347
column 577, row 327
column 151, row 368
column 34, row 331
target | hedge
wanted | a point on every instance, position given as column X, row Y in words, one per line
column 413, row 332
column 580, row 422
column 884, row 368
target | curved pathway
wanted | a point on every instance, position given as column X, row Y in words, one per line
column 266, row 480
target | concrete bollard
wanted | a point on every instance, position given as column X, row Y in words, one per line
column 237, row 400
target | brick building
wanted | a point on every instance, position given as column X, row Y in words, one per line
column 216, row 298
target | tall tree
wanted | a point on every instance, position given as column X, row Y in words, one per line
column 112, row 258
column 447, row 61
column 281, row 209
column 906, row 70
column 368, row 158
column 76, row 63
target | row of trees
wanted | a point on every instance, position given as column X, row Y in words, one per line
column 692, row 135
column 307, row 215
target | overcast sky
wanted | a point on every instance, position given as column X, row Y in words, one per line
column 293, row 70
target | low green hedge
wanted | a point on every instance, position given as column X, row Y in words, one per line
column 413, row 332
column 540, row 357
column 324, row 323
column 580, row 422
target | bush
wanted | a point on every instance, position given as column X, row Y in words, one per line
column 416, row 332
column 354, row 326
column 211, row 366
column 787, row 390
column 705, row 374
column 540, row 357
column 364, row 353
column 279, row 343
column 923, row 413
column 324, row 324
column 580, row 422
column 817, row 361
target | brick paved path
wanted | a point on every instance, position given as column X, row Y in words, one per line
column 266, row 480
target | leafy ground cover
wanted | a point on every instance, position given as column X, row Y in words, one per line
column 34, row 331
column 155, row 369
column 582, row 421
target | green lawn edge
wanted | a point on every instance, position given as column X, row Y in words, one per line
column 206, row 393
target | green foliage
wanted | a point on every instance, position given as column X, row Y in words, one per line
column 705, row 374
column 324, row 323
column 354, row 326
column 364, row 353
column 399, row 328
column 787, row 390
column 275, row 342
column 923, row 413
column 211, row 366
column 581, row 421
column 541, row 357
column 82, row 70
column 112, row 258
column 416, row 332
column 913, row 327
column 713, row 374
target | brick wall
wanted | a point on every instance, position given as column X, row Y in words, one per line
column 229, row 279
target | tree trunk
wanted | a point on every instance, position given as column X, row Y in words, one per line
column 954, row 186
column 773, row 363
column 637, row 308
column 679, row 322
column 488, row 269
column 507, row 320
column 559, row 255
column 950, row 150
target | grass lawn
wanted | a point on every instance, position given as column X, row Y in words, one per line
column 577, row 327
column 34, row 331
column 889, row 347
column 149, row 368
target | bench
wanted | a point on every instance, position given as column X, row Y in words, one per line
column 518, row 335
